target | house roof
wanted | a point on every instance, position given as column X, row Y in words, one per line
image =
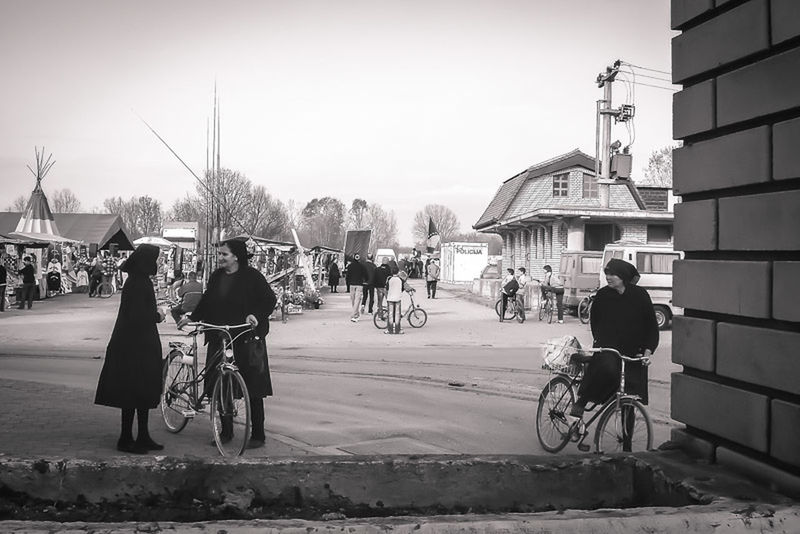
column 99, row 228
column 508, row 190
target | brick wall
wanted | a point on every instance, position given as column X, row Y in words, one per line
column 739, row 175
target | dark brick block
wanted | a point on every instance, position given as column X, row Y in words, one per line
column 785, row 429
column 693, row 342
column 692, row 445
column 693, row 110
column 785, row 20
column 786, row 290
column 734, row 414
column 740, row 158
column 732, row 35
column 735, row 287
column 760, row 222
column 761, row 356
column 696, row 225
column 685, row 10
column 768, row 86
column 764, row 473
column 785, row 156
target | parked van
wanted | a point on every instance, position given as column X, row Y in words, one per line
column 385, row 253
column 654, row 263
column 579, row 271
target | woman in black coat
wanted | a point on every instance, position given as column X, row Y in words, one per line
column 622, row 318
column 131, row 375
column 333, row 277
column 238, row 294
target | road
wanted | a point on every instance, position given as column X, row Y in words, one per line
column 463, row 384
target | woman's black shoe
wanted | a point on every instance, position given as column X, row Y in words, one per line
column 149, row 445
column 131, row 447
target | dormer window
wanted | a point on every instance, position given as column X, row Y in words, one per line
column 560, row 185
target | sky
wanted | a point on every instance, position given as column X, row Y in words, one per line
column 404, row 103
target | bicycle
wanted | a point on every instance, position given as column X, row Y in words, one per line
column 416, row 316
column 515, row 309
column 105, row 289
column 585, row 307
column 229, row 403
column 622, row 421
column 546, row 307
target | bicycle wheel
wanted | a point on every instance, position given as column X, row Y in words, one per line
column 176, row 391
column 552, row 425
column 105, row 290
column 520, row 311
column 230, row 413
column 417, row 317
column 548, row 311
column 381, row 319
column 584, row 309
column 543, row 309
column 625, row 426
column 509, row 310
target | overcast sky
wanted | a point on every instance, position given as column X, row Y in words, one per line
column 403, row 102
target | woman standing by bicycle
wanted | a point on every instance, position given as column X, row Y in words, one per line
column 622, row 318
column 508, row 289
column 238, row 294
column 131, row 375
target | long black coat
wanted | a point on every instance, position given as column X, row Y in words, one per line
column 248, row 293
column 626, row 322
column 333, row 274
column 131, row 375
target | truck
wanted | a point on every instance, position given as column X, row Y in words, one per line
column 654, row 263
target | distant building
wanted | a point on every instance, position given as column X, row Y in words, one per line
column 554, row 206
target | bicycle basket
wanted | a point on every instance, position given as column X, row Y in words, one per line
column 556, row 352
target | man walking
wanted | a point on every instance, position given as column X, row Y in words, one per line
column 432, row 278
column 356, row 275
column 369, row 284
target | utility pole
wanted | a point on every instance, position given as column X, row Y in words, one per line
column 604, row 159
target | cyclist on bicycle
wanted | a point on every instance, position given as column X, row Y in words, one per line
column 509, row 288
column 622, row 318
column 553, row 283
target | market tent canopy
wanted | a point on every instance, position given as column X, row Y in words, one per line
column 98, row 228
column 154, row 240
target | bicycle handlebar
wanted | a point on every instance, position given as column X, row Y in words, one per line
column 638, row 358
column 226, row 327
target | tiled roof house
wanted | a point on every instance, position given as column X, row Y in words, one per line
column 553, row 206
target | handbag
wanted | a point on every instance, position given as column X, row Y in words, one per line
column 256, row 351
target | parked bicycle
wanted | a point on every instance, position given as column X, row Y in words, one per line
column 623, row 423
column 181, row 396
column 416, row 316
column 515, row 309
column 105, row 289
column 585, row 307
column 546, row 307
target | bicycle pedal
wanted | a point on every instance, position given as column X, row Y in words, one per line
column 189, row 414
column 584, row 447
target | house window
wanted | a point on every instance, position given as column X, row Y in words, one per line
column 589, row 186
column 560, row 185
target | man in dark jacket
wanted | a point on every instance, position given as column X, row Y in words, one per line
column 28, row 276
column 3, row 281
column 356, row 275
column 382, row 274
column 369, row 284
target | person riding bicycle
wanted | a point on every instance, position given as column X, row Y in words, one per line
column 509, row 287
column 553, row 283
column 623, row 318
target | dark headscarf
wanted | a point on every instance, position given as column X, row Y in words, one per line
column 622, row 269
column 239, row 249
column 142, row 261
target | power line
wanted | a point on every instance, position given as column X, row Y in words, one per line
column 646, row 68
column 655, row 78
column 657, row 86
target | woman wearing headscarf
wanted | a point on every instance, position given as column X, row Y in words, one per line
column 131, row 375
column 333, row 276
column 238, row 294
column 622, row 318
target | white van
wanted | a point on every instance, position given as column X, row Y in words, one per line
column 578, row 270
column 384, row 253
column 654, row 263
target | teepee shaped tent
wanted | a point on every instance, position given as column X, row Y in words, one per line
column 36, row 222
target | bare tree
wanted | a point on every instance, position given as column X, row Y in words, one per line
column 266, row 216
column 384, row 227
column 65, row 201
column 358, row 212
column 225, row 195
column 495, row 241
column 323, row 222
column 659, row 168
column 186, row 209
column 443, row 217
column 19, row 204
column 142, row 216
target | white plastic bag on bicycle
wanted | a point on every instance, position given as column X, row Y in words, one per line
column 556, row 351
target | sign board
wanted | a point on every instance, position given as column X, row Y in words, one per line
column 463, row 262
column 357, row 242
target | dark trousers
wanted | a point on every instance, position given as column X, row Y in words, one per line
column 369, row 291
column 27, row 295
column 394, row 317
column 3, row 297
column 257, row 415
column 430, row 285
column 559, row 293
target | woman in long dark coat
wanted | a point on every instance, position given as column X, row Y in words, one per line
column 622, row 318
column 333, row 276
column 131, row 375
column 238, row 294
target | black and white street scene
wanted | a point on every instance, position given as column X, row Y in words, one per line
column 368, row 266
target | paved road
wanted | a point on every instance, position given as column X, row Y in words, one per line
column 462, row 384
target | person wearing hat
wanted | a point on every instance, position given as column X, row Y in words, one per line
column 238, row 294
column 622, row 318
